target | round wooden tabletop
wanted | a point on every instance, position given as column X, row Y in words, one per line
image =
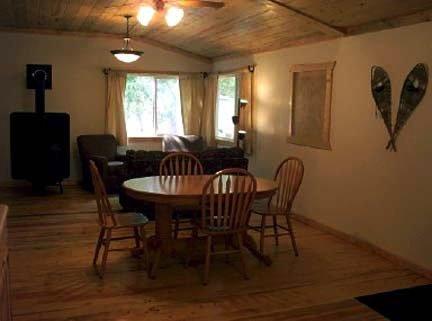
column 173, row 189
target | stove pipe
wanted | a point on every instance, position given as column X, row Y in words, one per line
column 40, row 77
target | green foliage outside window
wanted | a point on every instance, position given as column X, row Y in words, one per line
column 227, row 86
column 152, row 106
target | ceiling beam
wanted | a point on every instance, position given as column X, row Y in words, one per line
column 320, row 25
column 293, row 43
column 141, row 39
column 420, row 16
column 171, row 48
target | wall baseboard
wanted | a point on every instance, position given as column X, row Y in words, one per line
column 23, row 183
column 400, row 261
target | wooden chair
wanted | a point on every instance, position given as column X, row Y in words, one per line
column 5, row 298
column 180, row 164
column 111, row 222
column 225, row 210
column 289, row 177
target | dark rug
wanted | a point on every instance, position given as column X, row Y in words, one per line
column 413, row 304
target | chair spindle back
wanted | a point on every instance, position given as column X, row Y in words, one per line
column 288, row 177
column 180, row 164
column 226, row 200
column 106, row 216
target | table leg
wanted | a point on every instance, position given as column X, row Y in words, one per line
column 162, row 242
column 251, row 245
column 164, row 227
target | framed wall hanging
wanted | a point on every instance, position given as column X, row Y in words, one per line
column 310, row 101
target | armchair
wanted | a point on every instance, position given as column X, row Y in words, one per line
column 102, row 149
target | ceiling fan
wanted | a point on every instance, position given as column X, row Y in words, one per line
column 191, row 3
column 172, row 9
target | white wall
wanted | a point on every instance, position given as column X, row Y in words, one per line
column 78, row 81
column 358, row 187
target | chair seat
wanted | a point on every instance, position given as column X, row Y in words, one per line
column 186, row 213
column 215, row 229
column 264, row 209
column 130, row 220
column 116, row 175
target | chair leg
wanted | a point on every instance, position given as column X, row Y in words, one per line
column 105, row 253
column 227, row 244
column 293, row 240
column 176, row 226
column 193, row 246
column 207, row 259
column 275, row 230
column 194, row 231
column 263, row 226
column 144, row 247
column 137, row 237
column 98, row 246
column 242, row 255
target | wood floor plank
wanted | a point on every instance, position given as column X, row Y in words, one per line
column 52, row 240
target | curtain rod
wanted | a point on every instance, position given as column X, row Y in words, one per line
column 250, row 68
column 106, row 71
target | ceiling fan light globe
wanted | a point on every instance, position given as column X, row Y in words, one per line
column 173, row 16
column 145, row 15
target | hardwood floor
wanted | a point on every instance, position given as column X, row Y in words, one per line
column 52, row 239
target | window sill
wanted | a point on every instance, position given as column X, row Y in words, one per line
column 137, row 140
column 224, row 142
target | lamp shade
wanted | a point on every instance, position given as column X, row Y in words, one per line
column 243, row 102
column 127, row 55
column 173, row 16
column 241, row 134
column 145, row 15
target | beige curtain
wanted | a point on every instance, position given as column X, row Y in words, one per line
column 192, row 101
column 115, row 117
column 207, row 130
column 247, row 113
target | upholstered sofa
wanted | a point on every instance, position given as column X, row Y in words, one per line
column 142, row 163
column 116, row 167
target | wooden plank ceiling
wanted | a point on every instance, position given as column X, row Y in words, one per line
column 241, row 27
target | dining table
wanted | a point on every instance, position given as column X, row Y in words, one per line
column 171, row 192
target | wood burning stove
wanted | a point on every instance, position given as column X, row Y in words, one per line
column 40, row 141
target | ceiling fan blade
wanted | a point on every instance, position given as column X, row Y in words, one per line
column 200, row 4
column 132, row 4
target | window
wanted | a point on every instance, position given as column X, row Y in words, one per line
column 227, row 96
column 152, row 106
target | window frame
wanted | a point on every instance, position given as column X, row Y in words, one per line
column 156, row 137
column 224, row 140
